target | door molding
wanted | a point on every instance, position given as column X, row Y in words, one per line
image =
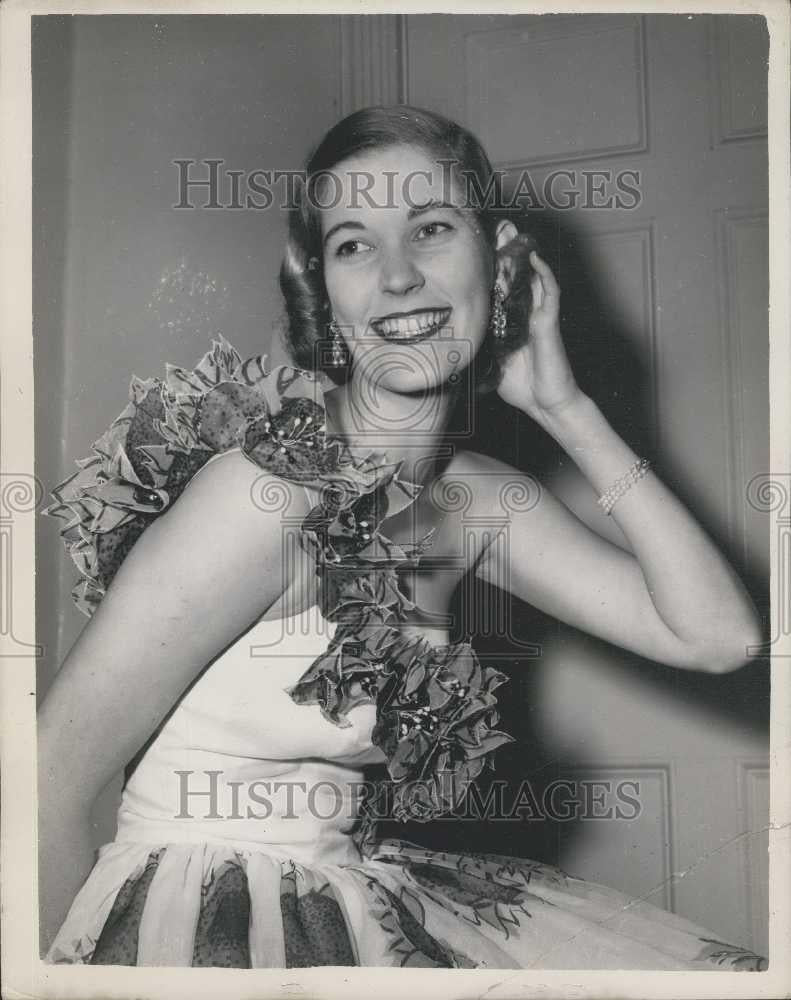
column 373, row 60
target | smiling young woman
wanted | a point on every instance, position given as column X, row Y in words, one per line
column 407, row 298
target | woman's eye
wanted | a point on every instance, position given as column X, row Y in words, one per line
column 433, row 229
column 351, row 248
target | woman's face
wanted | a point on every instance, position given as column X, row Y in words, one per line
column 407, row 270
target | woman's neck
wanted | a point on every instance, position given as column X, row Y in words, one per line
column 408, row 428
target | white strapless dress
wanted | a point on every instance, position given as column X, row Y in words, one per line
column 234, row 849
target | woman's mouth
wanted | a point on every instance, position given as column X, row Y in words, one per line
column 420, row 324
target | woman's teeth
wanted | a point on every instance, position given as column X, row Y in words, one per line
column 414, row 325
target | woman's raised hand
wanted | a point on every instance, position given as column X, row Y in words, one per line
column 537, row 378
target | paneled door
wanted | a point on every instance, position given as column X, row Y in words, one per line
column 639, row 146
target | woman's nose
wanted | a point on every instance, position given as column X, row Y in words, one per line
column 399, row 273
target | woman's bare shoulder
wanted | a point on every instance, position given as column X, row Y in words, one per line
column 222, row 532
column 474, row 462
column 492, row 483
column 231, row 483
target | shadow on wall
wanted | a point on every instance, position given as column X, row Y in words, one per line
column 609, row 370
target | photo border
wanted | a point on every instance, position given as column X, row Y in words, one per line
column 25, row 975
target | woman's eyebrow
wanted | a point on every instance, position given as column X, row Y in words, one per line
column 429, row 206
column 348, row 224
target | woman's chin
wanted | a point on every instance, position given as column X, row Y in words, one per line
column 419, row 370
column 419, row 385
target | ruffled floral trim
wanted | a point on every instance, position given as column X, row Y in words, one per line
column 435, row 705
column 168, row 431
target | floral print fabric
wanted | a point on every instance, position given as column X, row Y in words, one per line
column 401, row 906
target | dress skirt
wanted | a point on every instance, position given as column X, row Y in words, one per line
column 186, row 904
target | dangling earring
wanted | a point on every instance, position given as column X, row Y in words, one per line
column 497, row 321
column 339, row 355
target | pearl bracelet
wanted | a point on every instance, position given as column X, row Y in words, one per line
column 610, row 497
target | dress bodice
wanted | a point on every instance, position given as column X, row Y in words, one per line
column 238, row 760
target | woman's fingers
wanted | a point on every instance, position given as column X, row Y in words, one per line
column 537, row 290
column 549, row 287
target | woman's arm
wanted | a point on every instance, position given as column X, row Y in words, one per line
column 196, row 579
column 673, row 598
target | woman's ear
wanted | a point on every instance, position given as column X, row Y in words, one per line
column 506, row 231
